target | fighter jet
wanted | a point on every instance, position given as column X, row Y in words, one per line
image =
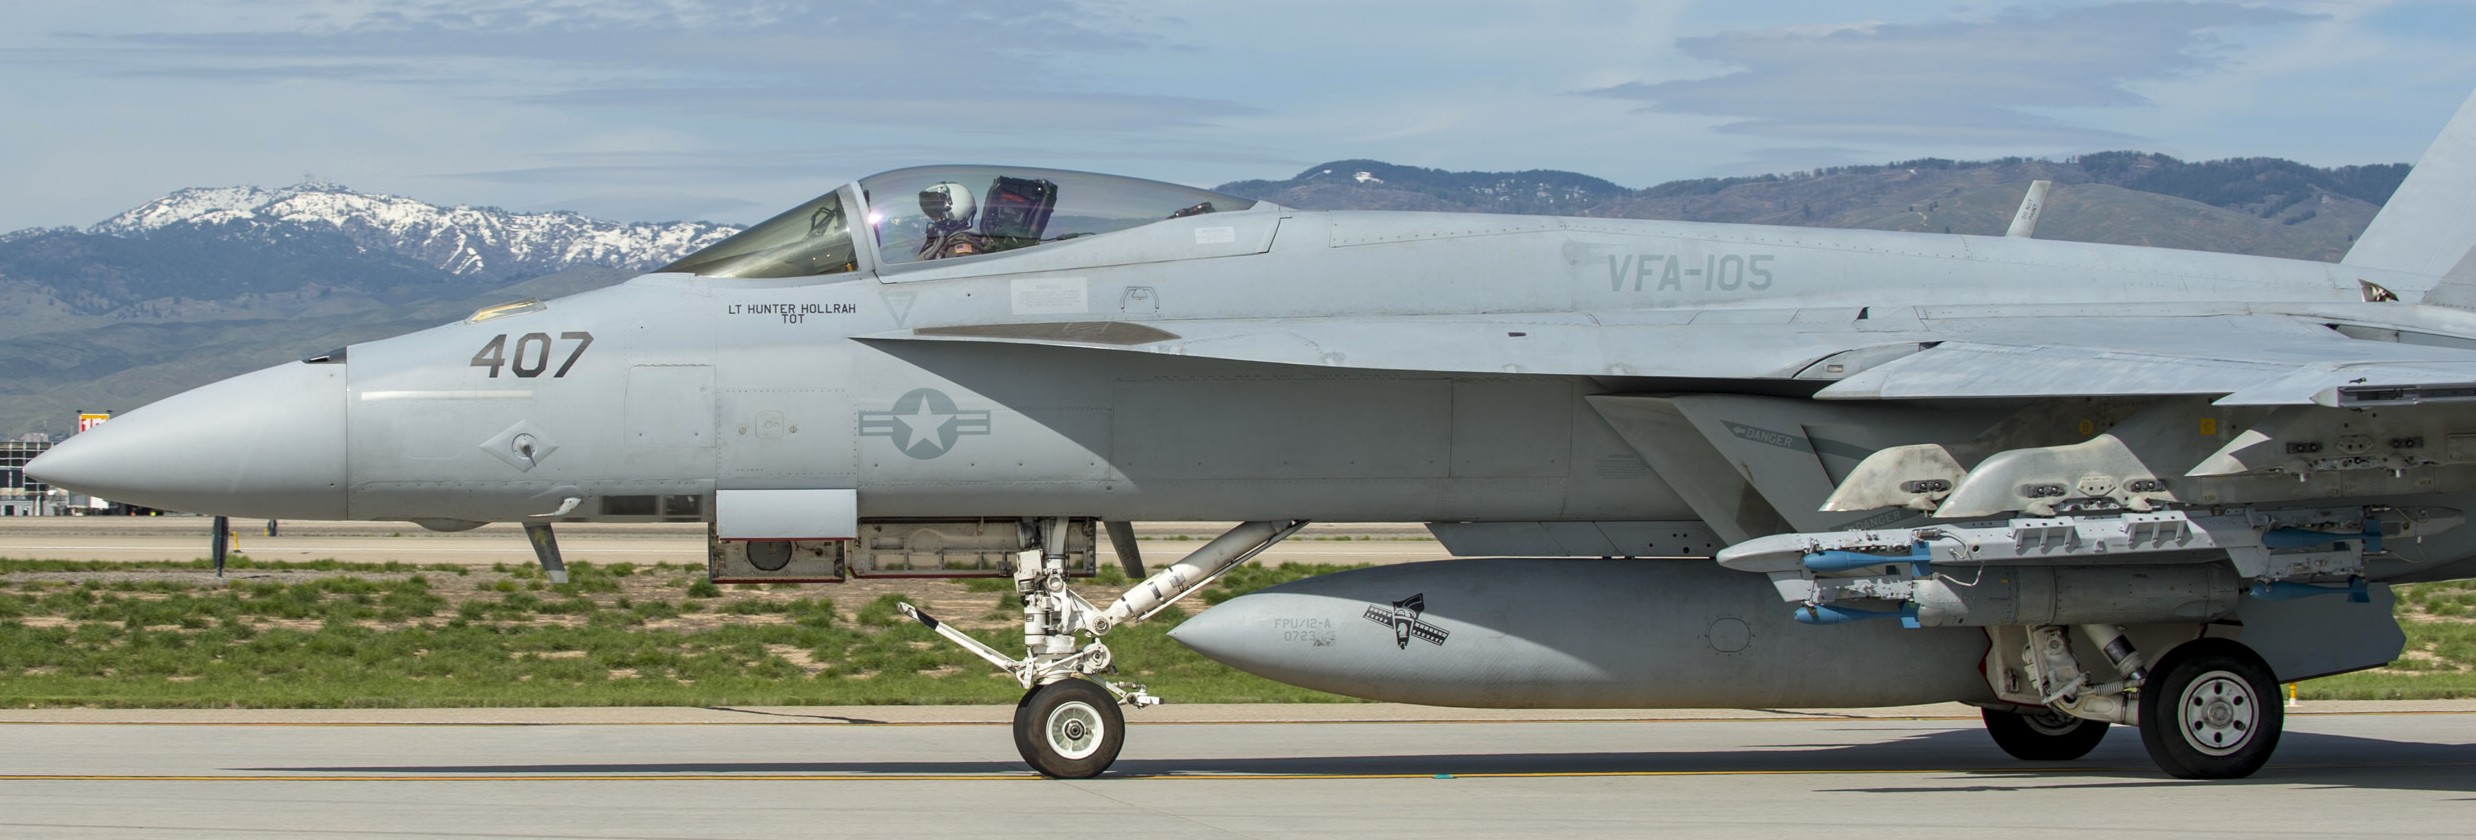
column 2074, row 485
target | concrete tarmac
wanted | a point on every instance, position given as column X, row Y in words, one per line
column 2408, row 772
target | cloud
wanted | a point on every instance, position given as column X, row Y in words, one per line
column 995, row 41
column 658, row 107
column 1794, row 158
column 990, row 109
column 1951, row 83
column 502, row 101
column 783, row 60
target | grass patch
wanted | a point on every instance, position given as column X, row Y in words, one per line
column 329, row 634
column 2439, row 660
column 235, row 563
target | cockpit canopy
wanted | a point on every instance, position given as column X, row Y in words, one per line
column 946, row 212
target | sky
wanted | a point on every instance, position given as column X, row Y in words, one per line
column 657, row 110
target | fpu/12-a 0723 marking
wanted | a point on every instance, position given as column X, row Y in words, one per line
column 531, row 355
column 1670, row 273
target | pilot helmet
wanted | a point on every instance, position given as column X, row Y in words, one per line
column 947, row 201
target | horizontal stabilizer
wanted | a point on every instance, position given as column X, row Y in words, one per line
column 1966, row 369
column 2363, row 385
column 2268, row 370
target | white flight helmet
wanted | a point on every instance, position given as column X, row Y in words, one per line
column 949, row 204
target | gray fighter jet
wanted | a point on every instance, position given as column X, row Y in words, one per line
column 2074, row 485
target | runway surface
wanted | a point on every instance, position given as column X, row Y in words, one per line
column 2337, row 775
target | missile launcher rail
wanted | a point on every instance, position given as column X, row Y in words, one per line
column 2121, row 568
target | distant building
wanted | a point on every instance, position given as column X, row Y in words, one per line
column 19, row 496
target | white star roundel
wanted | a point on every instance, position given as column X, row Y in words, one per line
column 924, row 424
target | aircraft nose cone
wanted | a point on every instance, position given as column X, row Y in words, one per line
column 265, row 444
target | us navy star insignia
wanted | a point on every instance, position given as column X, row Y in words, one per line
column 1403, row 617
column 924, row 424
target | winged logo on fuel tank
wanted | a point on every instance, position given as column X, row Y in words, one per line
column 1403, row 617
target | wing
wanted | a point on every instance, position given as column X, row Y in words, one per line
column 1577, row 344
column 2218, row 406
column 2238, row 359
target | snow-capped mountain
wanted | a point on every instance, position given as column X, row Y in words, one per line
column 464, row 241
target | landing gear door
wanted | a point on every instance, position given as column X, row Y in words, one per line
column 786, row 514
column 782, row 536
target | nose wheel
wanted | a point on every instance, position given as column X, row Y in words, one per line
column 1069, row 729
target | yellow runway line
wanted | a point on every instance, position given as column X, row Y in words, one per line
column 1619, row 774
column 1165, row 777
column 779, row 720
column 1010, row 777
column 776, row 720
column 627, row 777
column 386, row 723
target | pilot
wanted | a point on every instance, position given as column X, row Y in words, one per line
column 950, row 210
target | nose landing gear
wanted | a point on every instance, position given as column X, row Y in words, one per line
column 1068, row 724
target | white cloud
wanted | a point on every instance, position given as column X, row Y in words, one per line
column 668, row 108
column 1975, row 82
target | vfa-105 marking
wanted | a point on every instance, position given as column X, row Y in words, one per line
column 1670, row 273
column 2075, row 485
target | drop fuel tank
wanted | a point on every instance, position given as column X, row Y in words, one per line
column 1576, row 633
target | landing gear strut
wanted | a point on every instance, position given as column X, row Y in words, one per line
column 1068, row 725
column 2208, row 710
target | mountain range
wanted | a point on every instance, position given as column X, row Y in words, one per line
column 210, row 282
column 2263, row 206
column 204, row 283
column 216, row 244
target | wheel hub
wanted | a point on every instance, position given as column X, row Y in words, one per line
column 2219, row 713
column 1074, row 730
column 2051, row 722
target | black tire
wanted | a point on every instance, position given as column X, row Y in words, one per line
column 1070, row 729
column 2211, row 711
column 2045, row 735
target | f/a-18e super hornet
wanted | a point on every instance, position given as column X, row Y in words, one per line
column 2075, row 485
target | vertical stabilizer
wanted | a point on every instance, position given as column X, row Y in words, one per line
column 2429, row 225
column 2025, row 222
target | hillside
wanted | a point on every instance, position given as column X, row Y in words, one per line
column 242, row 252
column 122, row 365
column 2258, row 206
column 206, row 283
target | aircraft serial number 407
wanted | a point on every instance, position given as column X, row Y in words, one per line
column 2074, row 485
